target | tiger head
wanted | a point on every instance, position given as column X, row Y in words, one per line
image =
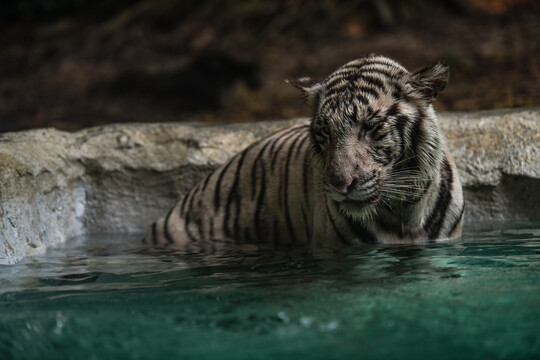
column 375, row 137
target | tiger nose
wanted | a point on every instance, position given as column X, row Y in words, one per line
column 341, row 185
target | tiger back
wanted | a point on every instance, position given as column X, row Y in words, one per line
column 372, row 166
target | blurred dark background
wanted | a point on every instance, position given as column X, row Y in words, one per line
column 76, row 63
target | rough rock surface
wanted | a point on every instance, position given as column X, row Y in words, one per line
column 55, row 185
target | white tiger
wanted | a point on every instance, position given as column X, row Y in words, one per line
column 371, row 167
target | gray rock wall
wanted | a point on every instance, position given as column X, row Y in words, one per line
column 498, row 157
column 55, row 185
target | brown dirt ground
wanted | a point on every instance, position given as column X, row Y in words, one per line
column 226, row 61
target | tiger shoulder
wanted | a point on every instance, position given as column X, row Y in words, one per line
column 372, row 166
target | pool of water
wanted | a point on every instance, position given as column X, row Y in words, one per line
column 105, row 297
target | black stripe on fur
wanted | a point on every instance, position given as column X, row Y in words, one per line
column 286, row 190
column 259, row 204
column 217, row 191
column 372, row 80
column 456, row 222
column 166, row 232
column 258, row 158
column 435, row 220
column 362, row 233
column 275, row 151
column 340, row 236
column 233, row 196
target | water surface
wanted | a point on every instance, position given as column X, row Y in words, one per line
column 106, row 297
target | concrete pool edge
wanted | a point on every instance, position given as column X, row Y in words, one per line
column 55, row 185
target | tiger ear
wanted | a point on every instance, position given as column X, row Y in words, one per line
column 310, row 88
column 431, row 80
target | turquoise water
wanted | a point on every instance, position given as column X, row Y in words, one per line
column 104, row 297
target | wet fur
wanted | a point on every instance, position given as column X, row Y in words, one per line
column 371, row 167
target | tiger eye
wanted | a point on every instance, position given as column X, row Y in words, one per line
column 324, row 133
column 369, row 125
column 366, row 127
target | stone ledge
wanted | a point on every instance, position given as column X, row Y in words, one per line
column 55, row 185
